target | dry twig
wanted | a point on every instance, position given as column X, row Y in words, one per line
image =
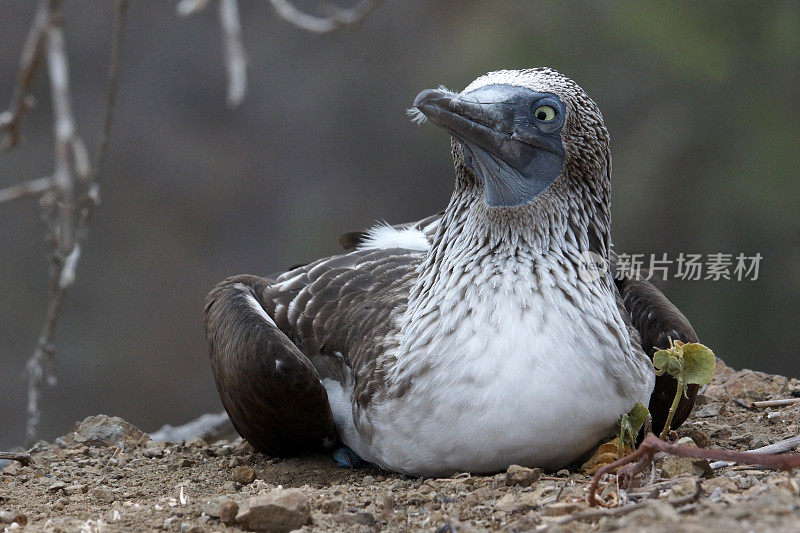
column 66, row 218
column 22, row 458
column 775, row 403
column 29, row 63
column 779, row 447
column 339, row 17
column 591, row 514
column 235, row 54
column 190, row 7
column 561, row 490
column 27, row 188
column 210, row 427
column 636, row 462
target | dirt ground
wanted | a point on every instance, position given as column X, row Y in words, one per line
column 108, row 476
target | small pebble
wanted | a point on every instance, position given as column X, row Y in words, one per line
column 759, row 441
column 522, row 476
column 56, row 486
column 277, row 511
column 228, row 512
column 357, row 518
column 332, row 506
column 13, row 517
column 505, row 504
column 196, row 442
column 73, row 490
column 243, row 474
column 152, row 453
column 387, row 505
column 561, row 508
column 102, row 494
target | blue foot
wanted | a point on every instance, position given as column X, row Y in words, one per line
column 347, row 458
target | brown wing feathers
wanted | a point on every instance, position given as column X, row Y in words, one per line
column 270, row 390
column 343, row 312
column 272, row 340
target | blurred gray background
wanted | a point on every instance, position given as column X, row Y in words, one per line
column 702, row 101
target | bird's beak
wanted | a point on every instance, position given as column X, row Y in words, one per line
column 489, row 118
column 481, row 121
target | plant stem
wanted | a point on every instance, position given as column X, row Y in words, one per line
column 673, row 407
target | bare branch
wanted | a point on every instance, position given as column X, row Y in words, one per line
column 340, row 17
column 27, row 188
column 64, row 235
column 779, row 447
column 29, row 63
column 210, row 427
column 68, row 144
column 636, row 462
column 91, row 198
column 34, row 367
column 22, row 458
column 235, row 55
column 186, row 8
column 775, row 403
column 591, row 514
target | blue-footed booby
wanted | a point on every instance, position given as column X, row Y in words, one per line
column 473, row 339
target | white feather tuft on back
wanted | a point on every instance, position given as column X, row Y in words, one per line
column 384, row 236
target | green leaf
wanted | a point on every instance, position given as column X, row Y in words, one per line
column 698, row 363
column 675, row 365
column 660, row 359
column 637, row 417
column 629, row 425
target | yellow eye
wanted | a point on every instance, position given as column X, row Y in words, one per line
column 544, row 113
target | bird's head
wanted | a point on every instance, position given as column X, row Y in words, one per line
column 520, row 133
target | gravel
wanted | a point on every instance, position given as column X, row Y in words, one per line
column 109, row 476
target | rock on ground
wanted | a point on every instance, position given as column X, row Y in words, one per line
column 278, row 511
column 102, row 430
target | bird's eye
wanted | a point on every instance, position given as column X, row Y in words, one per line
column 545, row 113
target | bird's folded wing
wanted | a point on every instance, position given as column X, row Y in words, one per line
column 271, row 391
column 341, row 311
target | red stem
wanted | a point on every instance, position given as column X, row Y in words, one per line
column 652, row 444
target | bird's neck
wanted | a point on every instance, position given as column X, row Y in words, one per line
column 490, row 268
column 494, row 274
column 562, row 224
